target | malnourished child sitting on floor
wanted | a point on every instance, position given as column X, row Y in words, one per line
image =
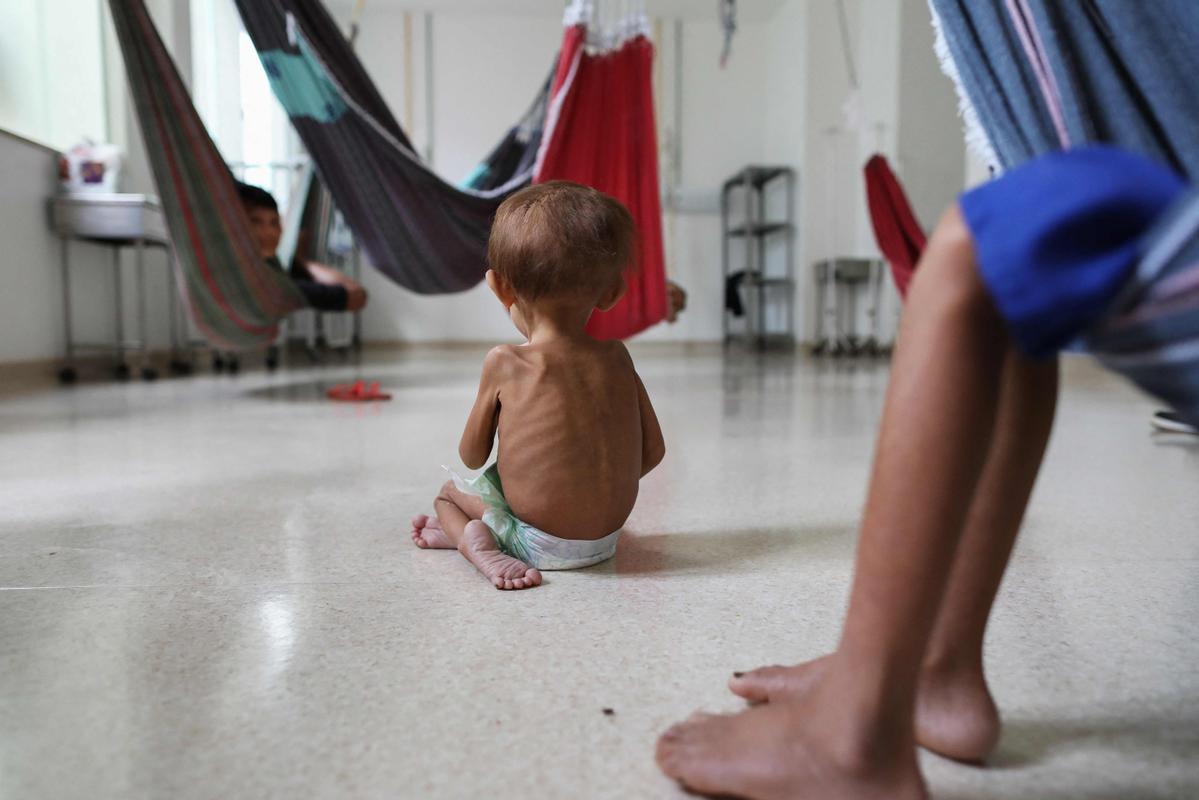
column 577, row 431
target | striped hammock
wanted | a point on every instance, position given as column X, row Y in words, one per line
column 1034, row 76
column 235, row 299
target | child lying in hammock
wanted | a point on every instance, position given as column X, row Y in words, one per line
column 323, row 287
column 577, row 431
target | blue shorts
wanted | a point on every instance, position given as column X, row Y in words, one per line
column 1057, row 238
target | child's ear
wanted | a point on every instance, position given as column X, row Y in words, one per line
column 500, row 288
column 613, row 295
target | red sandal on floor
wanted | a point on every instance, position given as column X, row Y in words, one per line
column 357, row 392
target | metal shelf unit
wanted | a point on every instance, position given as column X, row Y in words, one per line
column 755, row 233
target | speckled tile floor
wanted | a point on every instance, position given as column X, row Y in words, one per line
column 207, row 590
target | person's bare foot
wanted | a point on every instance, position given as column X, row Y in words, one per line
column 956, row 716
column 786, row 750
column 762, row 684
column 427, row 533
column 504, row 571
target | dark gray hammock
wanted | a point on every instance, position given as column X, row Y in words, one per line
column 426, row 234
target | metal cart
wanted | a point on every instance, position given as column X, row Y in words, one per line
column 115, row 221
column 843, row 278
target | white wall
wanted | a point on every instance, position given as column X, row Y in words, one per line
column 931, row 151
column 721, row 131
column 905, row 109
column 51, row 84
column 31, row 302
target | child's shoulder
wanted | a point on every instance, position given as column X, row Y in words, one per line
column 619, row 354
column 501, row 359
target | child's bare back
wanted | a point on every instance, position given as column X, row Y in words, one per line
column 575, row 425
column 570, row 435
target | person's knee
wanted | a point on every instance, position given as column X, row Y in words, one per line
column 947, row 280
column 356, row 298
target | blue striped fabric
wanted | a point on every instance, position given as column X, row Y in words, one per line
column 1152, row 334
column 1040, row 76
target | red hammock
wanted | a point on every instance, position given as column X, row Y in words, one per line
column 898, row 232
column 605, row 101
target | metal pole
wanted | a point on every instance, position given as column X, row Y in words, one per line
column 66, row 302
column 120, row 307
column 751, row 279
column 429, row 89
column 172, row 301
column 724, row 258
column 760, row 244
column 791, row 284
column 676, row 155
column 142, row 319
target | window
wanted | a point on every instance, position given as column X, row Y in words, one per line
column 234, row 98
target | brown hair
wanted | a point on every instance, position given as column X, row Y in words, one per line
column 561, row 238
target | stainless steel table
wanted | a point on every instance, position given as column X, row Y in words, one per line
column 115, row 221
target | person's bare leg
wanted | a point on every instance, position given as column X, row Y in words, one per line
column 853, row 733
column 460, row 516
column 956, row 715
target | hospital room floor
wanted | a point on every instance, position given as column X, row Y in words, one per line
column 207, row 590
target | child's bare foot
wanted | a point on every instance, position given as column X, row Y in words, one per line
column 956, row 716
column 504, row 571
column 786, row 750
column 427, row 533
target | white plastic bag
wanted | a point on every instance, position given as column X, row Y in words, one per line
column 90, row 167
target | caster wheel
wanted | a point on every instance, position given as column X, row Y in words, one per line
column 121, row 373
column 67, row 375
column 233, row 365
column 272, row 364
column 149, row 374
column 218, row 363
column 179, row 367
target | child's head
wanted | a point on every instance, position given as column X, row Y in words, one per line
column 263, row 213
column 560, row 242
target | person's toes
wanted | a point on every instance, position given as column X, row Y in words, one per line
column 420, row 521
column 753, row 685
column 534, row 577
column 676, row 745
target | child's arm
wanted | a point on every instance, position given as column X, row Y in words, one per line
column 653, row 446
column 475, row 447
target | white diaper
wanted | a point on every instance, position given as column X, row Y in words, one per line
column 521, row 540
